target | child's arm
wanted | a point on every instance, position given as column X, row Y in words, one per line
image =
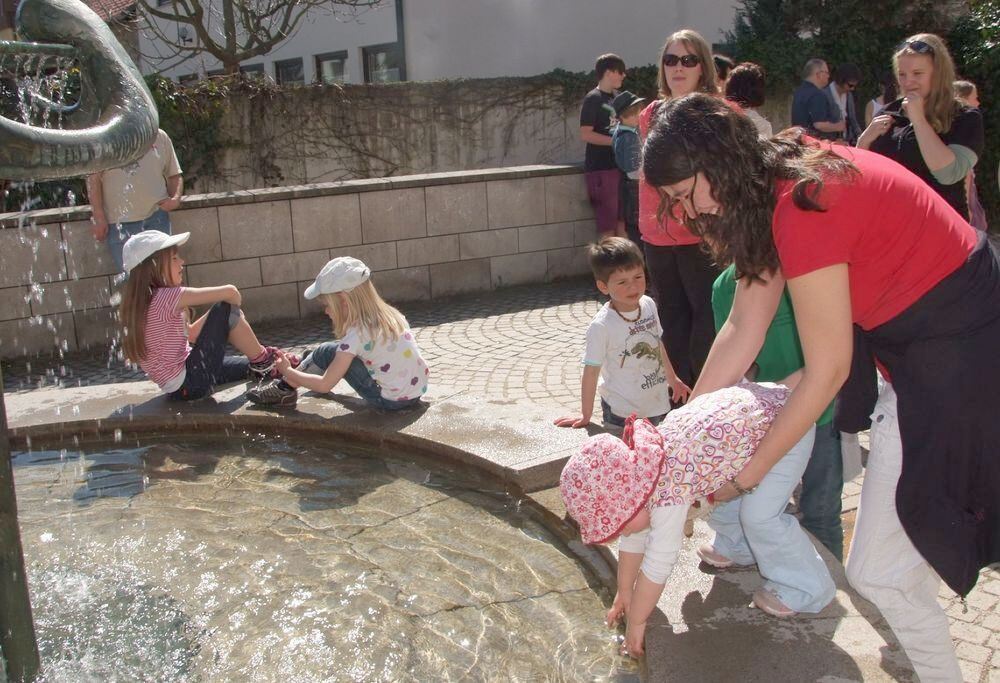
column 588, row 388
column 678, row 390
column 322, row 384
column 629, row 561
column 199, row 296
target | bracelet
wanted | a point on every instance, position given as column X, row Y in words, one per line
column 739, row 489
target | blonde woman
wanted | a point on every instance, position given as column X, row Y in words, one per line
column 375, row 351
column 928, row 130
column 680, row 272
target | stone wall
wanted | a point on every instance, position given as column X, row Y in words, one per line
column 424, row 237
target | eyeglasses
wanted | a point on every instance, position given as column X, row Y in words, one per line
column 688, row 61
column 917, row 46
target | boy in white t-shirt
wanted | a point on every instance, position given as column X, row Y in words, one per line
column 624, row 348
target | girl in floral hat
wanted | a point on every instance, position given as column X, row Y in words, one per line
column 640, row 489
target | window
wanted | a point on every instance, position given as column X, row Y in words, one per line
column 383, row 63
column 216, row 72
column 187, row 79
column 253, row 70
column 289, row 72
column 331, row 67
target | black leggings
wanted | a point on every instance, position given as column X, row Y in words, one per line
column 682, row 278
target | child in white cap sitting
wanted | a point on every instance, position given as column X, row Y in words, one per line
column 641, row 488
column 185, row 358
column 375, row 351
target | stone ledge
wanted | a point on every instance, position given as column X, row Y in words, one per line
column 270, row 194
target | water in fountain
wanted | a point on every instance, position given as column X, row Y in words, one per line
column 261, row 559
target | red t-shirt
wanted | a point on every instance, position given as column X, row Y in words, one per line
column 668, row 233
column 898, row 237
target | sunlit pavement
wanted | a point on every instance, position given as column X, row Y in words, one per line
column 514, row 351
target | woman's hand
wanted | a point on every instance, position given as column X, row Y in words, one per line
column 913, row 105
column 618, row 608
column 727, row 492
column 679, row 391
column 879, row 126
column 635, row 635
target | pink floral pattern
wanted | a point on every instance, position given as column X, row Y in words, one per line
column 710, row 439
column 697, row 449
column 606, row 483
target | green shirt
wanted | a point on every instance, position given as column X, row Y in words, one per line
column 781, row 354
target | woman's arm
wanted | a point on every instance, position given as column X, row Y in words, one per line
column 199, row 296
column 741, row 336
column 321, row 384
column 822, row 303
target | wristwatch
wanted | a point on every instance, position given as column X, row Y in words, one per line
column 740, row 490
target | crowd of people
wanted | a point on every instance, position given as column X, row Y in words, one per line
column 856, row 293
column 801, row 287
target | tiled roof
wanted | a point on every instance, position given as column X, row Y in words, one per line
column 109, row 9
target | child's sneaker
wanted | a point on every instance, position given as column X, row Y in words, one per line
column 261, row 367
column 769, row 603
column 276, row 393
column 706, row 553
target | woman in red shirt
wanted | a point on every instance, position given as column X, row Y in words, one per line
column 864, row 245
column 680, row 272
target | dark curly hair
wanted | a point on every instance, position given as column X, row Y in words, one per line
column 701, row 133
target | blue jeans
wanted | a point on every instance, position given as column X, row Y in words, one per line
column 822, row 487
column 357, row 376
column 208, row 365
column 118, row 233
column 755, row 528
column 612, row 420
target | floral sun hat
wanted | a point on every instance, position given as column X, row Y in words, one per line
column 608, row 482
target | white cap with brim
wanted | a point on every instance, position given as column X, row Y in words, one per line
column 341, row 274
column 142, row 245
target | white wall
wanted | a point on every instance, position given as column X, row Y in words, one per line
column 486, row 38
column 319, row 33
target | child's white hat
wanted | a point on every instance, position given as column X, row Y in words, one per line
column 341, row 274
column 142, row 245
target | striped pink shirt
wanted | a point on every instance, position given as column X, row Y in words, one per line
column 166, row 339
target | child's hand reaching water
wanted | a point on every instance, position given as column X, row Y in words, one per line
column 618, row 609
column 635, row 635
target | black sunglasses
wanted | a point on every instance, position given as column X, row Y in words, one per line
column 686, row 61
column 917, row 46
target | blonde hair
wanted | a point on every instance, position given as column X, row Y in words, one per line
column 696, row 45
column 143, row 280
column 941, row 105
column 363, row 307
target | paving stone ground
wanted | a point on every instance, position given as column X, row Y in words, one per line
column 514, row 344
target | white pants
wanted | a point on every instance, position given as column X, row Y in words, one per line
column 884, row 567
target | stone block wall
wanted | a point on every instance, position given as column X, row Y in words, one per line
column 424, row 237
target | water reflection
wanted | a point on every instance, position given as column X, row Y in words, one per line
column 257, row 559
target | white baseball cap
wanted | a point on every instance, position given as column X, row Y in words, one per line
column 142, row 245
column 341, row 274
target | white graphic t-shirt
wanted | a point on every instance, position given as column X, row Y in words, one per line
column 632, row 375
column 397, row 365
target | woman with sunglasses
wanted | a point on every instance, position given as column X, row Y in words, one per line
column 928, row 130
column 864, row 246
column 681, row 274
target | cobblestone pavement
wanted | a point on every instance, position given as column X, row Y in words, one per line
column 515, row 344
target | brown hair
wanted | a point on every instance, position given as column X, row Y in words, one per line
column 609, row 62
column 963, row 89
column 941, row 105
column 143, row 280
column 702, row 134
column 696, row 45
column 610, row 254
column 746, row 85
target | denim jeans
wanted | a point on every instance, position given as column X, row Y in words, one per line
column 609, row 419
column 755, row 528
column 208, row 365
column 118, row 233
column 822, row 486
column 319, row 359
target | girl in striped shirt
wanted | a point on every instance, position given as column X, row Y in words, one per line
column 186, row 359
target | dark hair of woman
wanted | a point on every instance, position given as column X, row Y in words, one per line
column 745, row 86
column 702, row 134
